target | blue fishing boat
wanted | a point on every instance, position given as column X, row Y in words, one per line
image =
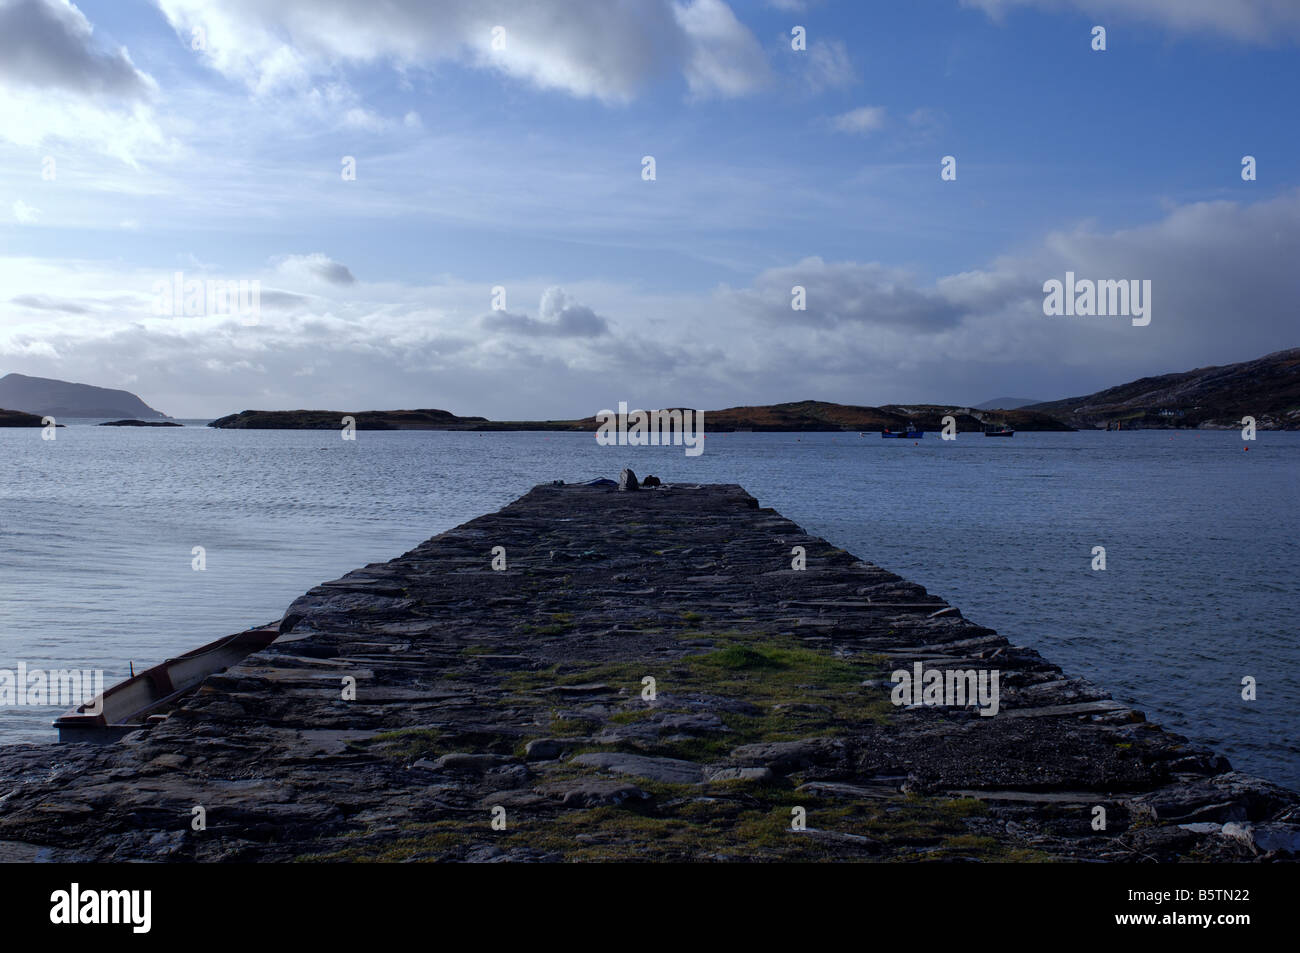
column 912, row 432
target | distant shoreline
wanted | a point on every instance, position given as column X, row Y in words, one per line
column 801, row 417
column 809, row 417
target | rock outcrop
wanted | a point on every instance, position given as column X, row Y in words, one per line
column 18, row 418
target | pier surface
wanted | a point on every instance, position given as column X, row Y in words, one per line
column 517, row 698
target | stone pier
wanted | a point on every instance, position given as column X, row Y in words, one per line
column 649, row 677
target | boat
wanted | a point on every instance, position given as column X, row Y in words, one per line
column 911, row 432
column 144, row 699
column 1004, row 432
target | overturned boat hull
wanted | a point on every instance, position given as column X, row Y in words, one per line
column 143, row 699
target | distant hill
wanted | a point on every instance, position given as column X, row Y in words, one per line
column 1007, row 403
column 1267, row 389
column 45, row 396
column 805, row 416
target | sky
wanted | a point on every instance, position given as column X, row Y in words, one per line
column 501, row 250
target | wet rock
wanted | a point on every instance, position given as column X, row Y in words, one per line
column 519, row 799
column 786, row 757
column 669, row 770
column 594, row 792
column 1265, row 838
column 757, row 775
column 470, row 763
column 543, row 749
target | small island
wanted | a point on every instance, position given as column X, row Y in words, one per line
column 332, row 420
column 140, row 423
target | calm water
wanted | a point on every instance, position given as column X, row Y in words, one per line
column 97, row 528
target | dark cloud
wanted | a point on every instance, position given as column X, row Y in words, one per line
column 46, row 303
column 576, row 322
column 336, row 273
column 47, row 43
column 283, row 300
column 561, row 317
column 841, row 293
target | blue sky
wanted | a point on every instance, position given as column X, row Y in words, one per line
column 521, row 168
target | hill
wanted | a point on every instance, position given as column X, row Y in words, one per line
column 1267, row 388
column 46, row 396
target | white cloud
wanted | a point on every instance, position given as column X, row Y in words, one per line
column 861, row 121
column 1260, row 21
column 828, row 66
column 25, row 214
column 317, row 266
column 58, row 85
column 559, row 316
column 587, row 48
column 725, row 58
column 1223, row 290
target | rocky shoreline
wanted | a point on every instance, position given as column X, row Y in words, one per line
column 505, row 714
